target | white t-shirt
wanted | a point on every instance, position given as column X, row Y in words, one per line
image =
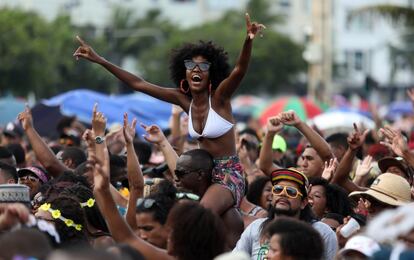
column 249, row 240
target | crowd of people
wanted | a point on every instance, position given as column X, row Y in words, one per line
column 204, row 189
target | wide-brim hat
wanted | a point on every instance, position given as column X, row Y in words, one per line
column 389, row 189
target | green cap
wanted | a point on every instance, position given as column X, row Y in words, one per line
column 279, row 143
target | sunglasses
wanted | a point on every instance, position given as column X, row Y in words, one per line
column 28, row 178
column 187, row 195
column 290, row 191
column 203, row 66
column 181, row 173
column 147, row 203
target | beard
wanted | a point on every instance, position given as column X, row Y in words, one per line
column 284, row 212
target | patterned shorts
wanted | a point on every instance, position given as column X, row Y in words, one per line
column 228, row 172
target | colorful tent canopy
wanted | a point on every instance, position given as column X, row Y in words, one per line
column 304, row 108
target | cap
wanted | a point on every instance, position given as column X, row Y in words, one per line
column 362, row 244
column 388, row 188
column 279, row 143
column 37, row 171
column 13, row 130
column 387, row 162
column 14, row 193
column 291, row 174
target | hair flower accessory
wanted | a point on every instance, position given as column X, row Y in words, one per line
column 90, row 203
column 45, row 206
column 56, row 214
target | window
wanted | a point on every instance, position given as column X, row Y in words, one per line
column 358, row 60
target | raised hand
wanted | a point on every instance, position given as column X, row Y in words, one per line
column 289, row 118
column 394, row 140
column 25, row 118
column 410, row 93
column 274, row 125
column 85, row 51
column 329, row 169
column 253, row 28
column 89, row 138
column 364, row 167
column 129, row 130
column 154, row 134
column 357, row 138
column 98, row 121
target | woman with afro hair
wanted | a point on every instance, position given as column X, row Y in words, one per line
column 204, row 89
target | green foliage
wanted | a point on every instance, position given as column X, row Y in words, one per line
column 36, row 55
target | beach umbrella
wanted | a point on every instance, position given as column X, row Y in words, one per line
column 340, row 120
column 304, row 108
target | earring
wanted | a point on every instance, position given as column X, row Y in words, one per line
column 185, row 91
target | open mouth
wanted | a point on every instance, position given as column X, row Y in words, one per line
column 196, row 78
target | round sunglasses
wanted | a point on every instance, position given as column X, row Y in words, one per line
column 290, row 191
column 203, row 66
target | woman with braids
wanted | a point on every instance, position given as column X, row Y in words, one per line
column 205, row 88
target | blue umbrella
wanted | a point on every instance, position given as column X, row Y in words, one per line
column 146, row 109
column 9, row 109
column 399, row 108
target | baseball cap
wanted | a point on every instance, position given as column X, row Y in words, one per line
column 37, row 171
column 13, row 130
column 291, row 174
column 362, row 244
column 279, row 143
column 388, row 188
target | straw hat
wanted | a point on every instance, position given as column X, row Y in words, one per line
column 387, row 188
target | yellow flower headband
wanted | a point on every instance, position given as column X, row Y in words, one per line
column 89, row 203
column 57, row 215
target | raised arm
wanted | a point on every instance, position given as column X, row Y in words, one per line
column 171, row 95
column 154, row 135
column 394, row 140
column 135, row 178
column 177, row 138
column 43, row 153
column 341, row 176
column 232, row 82
column 119, row 229
column 316, row 141
column 265, row 158
column 98, row 130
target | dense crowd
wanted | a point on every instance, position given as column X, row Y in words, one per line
column 204, row 188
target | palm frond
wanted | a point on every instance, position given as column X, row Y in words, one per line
column 396, row 14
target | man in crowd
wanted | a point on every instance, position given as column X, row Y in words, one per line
column 290, row 200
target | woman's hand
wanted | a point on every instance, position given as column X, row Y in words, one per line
column 364, row 167
column 85, row 51
column 253, row 28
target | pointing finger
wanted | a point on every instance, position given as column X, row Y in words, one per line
column 248, row 23
column 82, row 42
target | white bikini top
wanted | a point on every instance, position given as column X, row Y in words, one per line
column 216, row 125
